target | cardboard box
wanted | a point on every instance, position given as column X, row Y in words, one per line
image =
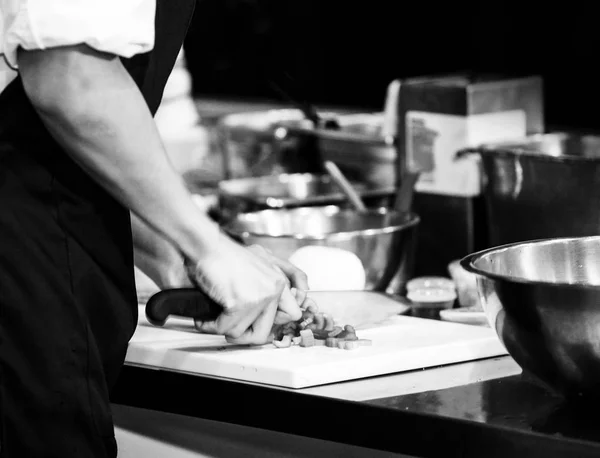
column 437, row 116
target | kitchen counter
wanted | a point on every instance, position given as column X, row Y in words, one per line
column 481, row 408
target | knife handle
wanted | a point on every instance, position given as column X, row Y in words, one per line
column 185, row 302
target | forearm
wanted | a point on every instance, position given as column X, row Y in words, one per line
column 93, row 108
column 153, row 254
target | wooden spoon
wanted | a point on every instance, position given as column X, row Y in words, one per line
column 339, row 178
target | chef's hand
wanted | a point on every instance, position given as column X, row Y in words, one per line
column 297, row 280
column 251, row 289
column 311, row 317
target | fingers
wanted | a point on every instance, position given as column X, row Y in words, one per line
column 282, row 318
column 297, row 277
column 271, row 291
column 260, row 251
column 206, row 327
column 300, row 296
column 289, row 307
column 259, row 331
column 310, row 306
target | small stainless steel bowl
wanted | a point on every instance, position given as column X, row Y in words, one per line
column 543, row 299
column 383, row 240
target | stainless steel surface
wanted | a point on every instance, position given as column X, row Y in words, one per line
column 338, row 177
column 249, row 145
column 245, row 195
column 384, row 241
column 543, row 299
column 541, row 186
column 358, row 147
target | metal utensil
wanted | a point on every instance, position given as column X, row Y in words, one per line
column 405, row 193
column 543, row 299
column 389, row 126
column 541, row 186
column 407, row 174
column 339, row 178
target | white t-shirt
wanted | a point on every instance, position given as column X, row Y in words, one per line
column 120, row 27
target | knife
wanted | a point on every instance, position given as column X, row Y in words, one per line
column 183, row 302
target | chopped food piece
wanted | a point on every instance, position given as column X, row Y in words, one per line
column 335, row 331
column 283, row 343
column 320, row 334
column 308, row 339
column 331, row 342
column 351, row 345
column 306, row 322
column 317, row 329
column 365, row 342
column 345, row 335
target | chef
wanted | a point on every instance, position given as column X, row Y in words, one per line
column 79, row 151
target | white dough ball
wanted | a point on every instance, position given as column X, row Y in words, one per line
column 330, row 269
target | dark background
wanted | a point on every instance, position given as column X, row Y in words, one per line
column 345, row 53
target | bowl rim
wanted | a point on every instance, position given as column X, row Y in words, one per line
column 412, row 220
column 468, row 263
column 224, row 191
column 518, row 148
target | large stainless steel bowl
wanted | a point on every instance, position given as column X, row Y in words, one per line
column 245, row 195
column 542, row 186
column 384, row 241
column 543, row 299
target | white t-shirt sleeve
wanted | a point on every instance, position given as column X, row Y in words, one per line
column 120, row 27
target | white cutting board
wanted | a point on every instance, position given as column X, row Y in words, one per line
column 400, row 343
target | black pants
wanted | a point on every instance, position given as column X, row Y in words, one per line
column 67, row 307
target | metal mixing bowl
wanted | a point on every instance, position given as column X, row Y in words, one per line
column 541, row 186
column 543, row 299
column 383, row 240
column 245, row 195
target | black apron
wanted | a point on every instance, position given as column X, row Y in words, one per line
column 67, row 295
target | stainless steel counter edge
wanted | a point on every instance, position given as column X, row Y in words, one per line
column 327, row 417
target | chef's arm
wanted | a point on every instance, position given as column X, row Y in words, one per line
column 93, row 108
column 157, row 257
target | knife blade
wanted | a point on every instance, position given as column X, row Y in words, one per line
column 183, row 302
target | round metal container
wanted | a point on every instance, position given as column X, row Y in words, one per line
column 543, row 186
column 245, row 195
column 384, row 241
column 543, row 299
column 250, row 147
